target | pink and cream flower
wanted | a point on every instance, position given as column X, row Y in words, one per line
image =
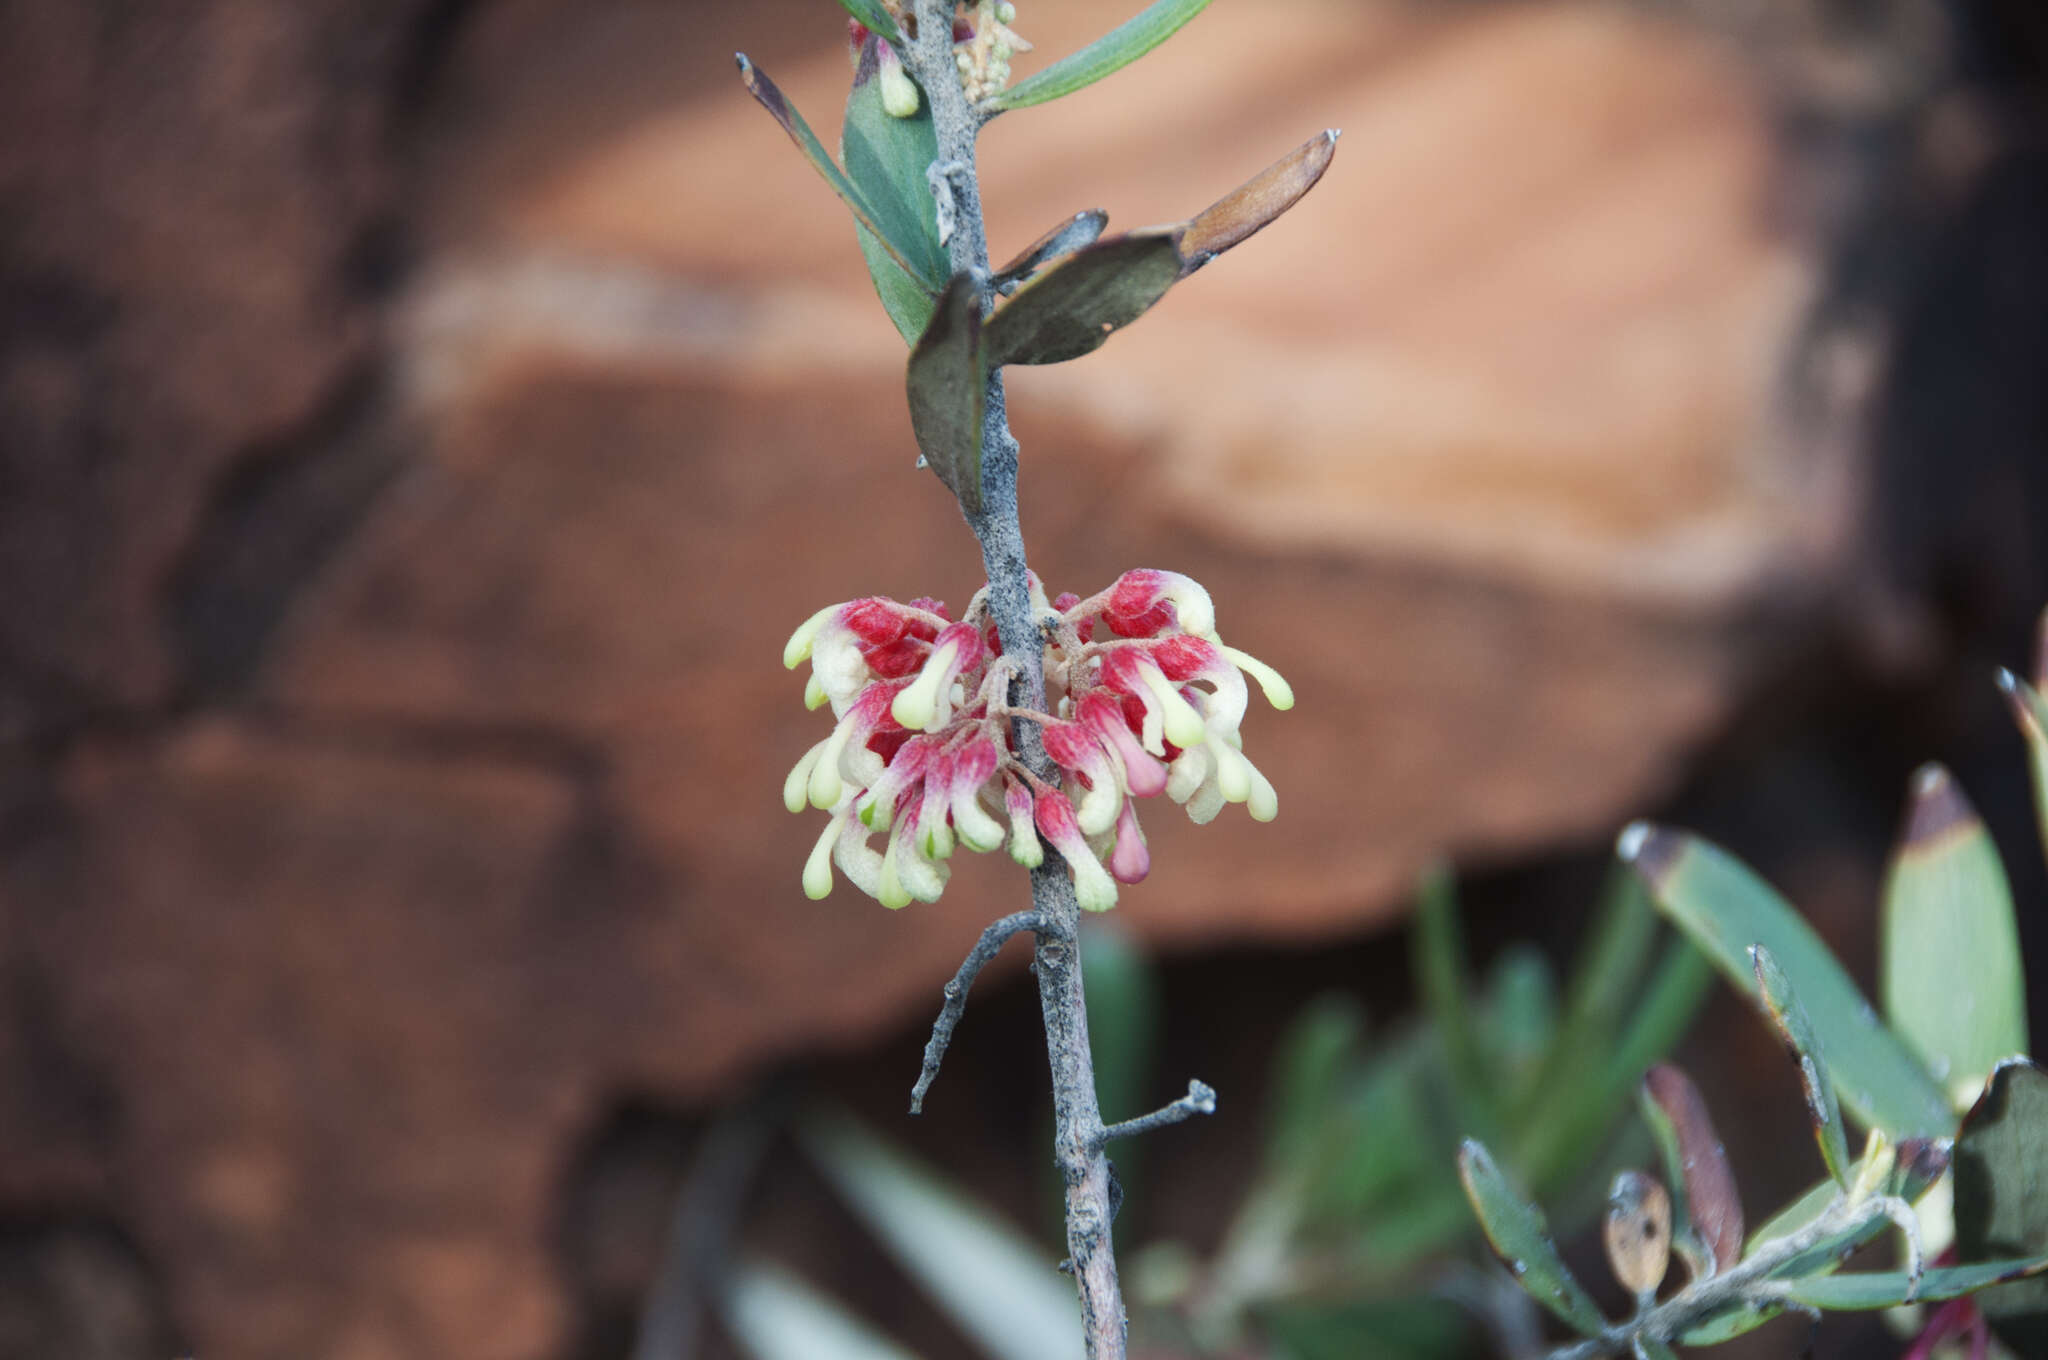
column 1145, row 700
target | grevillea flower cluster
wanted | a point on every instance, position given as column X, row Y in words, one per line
column 1145, row 700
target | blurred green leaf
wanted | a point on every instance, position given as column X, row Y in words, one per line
column 1520, row 1018
column 1709, row 1208
column 1953, row 985
column 1379, row 1329
column 993, row 1283
column 1606, row 975
column 2001, row 1205
column 1123, row 1016
column 1383, row 1144
column 1725, row 908
column 946, row 383
column 1521, row 1238
column 886, row 158
column 1654, row 1350
column 1810, row 1205
column 877, row 19
column 1740, row 1318
column 1073, row 305
column 1309, row 1066
column 1889, row 1289
column 864, row 213
column 1082, row 229
column 776, row 1316
column 1443, row 978
column 1666, row 1012
column 1107, row 55
column 1795, row 1029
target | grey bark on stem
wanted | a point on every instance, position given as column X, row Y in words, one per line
column 1077, row 1138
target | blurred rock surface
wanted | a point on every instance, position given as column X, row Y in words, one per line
column 390, row 680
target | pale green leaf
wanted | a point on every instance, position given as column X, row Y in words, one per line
column 1105, row 56
column 775, row 1316
column 1725, row 908
column 1518, row 1234
column 1795, row 1029
column 999, row 1288
column 1953, row 984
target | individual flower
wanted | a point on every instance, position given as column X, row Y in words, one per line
column 1144, row 697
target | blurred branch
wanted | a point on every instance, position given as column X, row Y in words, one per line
column 707, row 1206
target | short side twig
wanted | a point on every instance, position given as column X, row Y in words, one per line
column 1200, row 1099
column 987, row 947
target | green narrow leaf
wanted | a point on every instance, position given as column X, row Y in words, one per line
column 779, row 108
column 947, row 383
column 1410, row 1328
column 776, row 1316
column 1082, row 229
column 1953, row 984
column 2030, row 710
column 1520, row 1018
column 1669, row 1003
column 1308, row 1066
column 1123, row 1015
column 878, row 20
column 886, row 158
column 1069, row 308
column 1521, row 1238
column 1441, row 975
column 1888, row 1289
column 1725, row 908
column 1741, row 1318
column 1245, row 209
column 1795, row 1030
column 1107, row 55
column 2001, row 1206
column 1710, row 1208
column 995, row 1285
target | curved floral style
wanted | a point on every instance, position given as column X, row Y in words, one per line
column 1145, row 700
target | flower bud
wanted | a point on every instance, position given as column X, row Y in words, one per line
column 1094, row 889
column 899, row 91
column 1144, row 775
column 1024, row 846
column 927, row 704
column 1076, row 748
column 973, row 767
column 1129, row 860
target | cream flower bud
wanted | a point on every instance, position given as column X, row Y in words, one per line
column 926, row 704
column 1144, row 775
column 1094, row 889
column 818, row 867
column 798, row 649
column 1024, row 845
column 1184, row 659
column 795, row 788
column 1129, row 669
column 1278, row 692
column 859, row 861
column 899, row 91
column 1076, row 748
column 972, row 769
column 815, row 696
